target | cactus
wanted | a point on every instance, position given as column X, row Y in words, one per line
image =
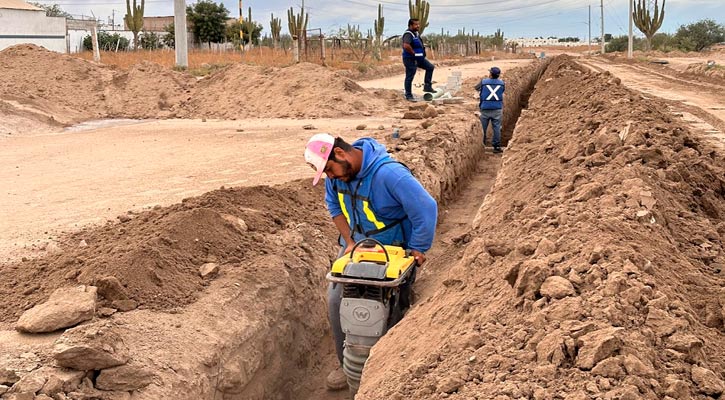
column 134, row 19
column 647, row 23
column 498, row 39
column 276, row 26
column 297, row 23
column 379, row 26
column 420, row 12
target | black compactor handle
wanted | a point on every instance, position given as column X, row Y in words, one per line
column 370, row 242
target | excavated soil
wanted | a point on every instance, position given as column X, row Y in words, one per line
column 594, row 269
column 156, row 255
column 69, row 90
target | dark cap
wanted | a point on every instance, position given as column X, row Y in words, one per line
column 495, row 70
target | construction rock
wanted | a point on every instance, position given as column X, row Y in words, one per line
column 430, row 112
column 90, row 347
column 209, row 270
column 30, row 383
column 124, row 378
column 635, row 366
column 8, row 377
column 707, row 382
column 111, row 288
column 596, row 346
column 556, row 287
column 237, row 222
column 676, row 388
column 106, row 311
column 125, row 305
column 361, row 127
column 66, row 307
column 610, row 368
column 413, row 115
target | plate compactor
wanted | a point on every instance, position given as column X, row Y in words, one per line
column 376, row 293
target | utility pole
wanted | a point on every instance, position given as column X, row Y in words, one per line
column 630, row 42
column 589, row 43
column 180, row 40
column 602, row 5
column 113, row 20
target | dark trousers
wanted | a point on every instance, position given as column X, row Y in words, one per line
column 411, row 66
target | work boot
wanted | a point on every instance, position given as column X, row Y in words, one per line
column 428, row 89
column 336, row 380
column 497, row 150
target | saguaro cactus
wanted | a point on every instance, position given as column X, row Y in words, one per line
column 276, row 26
column 419, row 11
column 648, row 23
column 297, row 24
column 134, row 19
column 379, row 28
column 498, row 39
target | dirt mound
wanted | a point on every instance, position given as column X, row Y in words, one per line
column 156, row 255
column 302, row 90
column 69, row 88
column 595, row 268
column 713, row 71
column 147, row 90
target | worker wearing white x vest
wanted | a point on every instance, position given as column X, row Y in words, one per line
column 369, row 195
column 491, row 91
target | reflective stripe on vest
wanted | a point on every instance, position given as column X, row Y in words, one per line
column 417, row 45
column 359, row 213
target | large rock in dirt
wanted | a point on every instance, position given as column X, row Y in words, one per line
column 413, row 115
column 529, row 277
column 707, row 382
column 596, row 346
column 609, row 368
column 124, row 378
column 66, row 307
column 111, row 288
column 90, row 347
column 49, row 381
column 556, row 287
column 8, row 377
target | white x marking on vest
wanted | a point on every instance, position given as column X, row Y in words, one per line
column 493, row 91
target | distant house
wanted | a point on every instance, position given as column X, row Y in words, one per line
column 153, row 24
column 21, row 22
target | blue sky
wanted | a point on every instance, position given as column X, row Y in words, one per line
column 516, row 18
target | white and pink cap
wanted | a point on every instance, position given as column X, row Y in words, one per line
column 317, row 152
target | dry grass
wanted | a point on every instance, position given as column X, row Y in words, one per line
column 202, row 62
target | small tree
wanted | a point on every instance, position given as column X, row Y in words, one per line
column 169, row 38
column 149, row 40
column 106, row 41
column 52, row 10
column 134, row 19
column 648, row 23
column 699, row 35
column 208, row 21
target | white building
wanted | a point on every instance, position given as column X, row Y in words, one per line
column 21, row 22
column 540, row 42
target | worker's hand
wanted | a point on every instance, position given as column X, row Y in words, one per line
column 419, row 257
column 349, row 247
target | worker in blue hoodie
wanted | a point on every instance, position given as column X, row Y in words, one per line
column 369, row 195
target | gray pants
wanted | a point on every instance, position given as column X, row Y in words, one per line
column 334, row 298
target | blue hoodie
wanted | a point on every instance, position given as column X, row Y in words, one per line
column 396, row 194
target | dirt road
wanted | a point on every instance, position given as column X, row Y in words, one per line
column 440, row 75
column 701, row 104
column 62, row 181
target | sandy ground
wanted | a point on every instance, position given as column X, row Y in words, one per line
column 440, row 75
column 700, row 104
column 65, row 180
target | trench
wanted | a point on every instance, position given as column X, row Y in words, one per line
column 459, row 200
column 260, row 331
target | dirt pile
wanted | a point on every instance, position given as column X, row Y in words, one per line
column 156, row 255
column 70, row 90
column 595, row 268
column 301, row 90
column 714, row 71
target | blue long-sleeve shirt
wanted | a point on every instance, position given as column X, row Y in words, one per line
column 395, row 194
